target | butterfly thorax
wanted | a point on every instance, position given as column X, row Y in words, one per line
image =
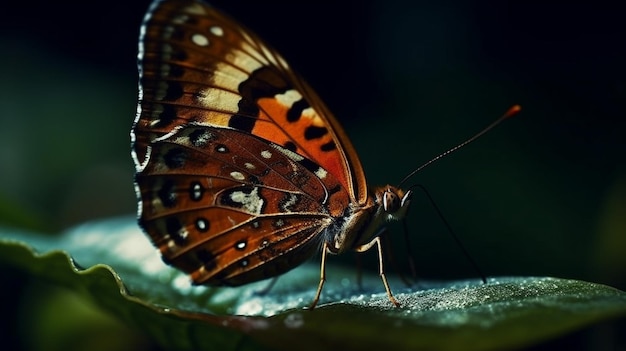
column 361, row 224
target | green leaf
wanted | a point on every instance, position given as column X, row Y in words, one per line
column 112, row 263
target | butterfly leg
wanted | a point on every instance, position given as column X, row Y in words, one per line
column 381, row 272
column 322, row 276
column 269, row 287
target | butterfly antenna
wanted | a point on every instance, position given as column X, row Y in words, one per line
column 510, row 113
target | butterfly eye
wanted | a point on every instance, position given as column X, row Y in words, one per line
column 391, row 201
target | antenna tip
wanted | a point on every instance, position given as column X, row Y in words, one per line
column 515, row 109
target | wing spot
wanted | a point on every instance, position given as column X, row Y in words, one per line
column 162, row 115
column 222, row 149
column 329, row 146
column 314, row 132
column 174, row 91
column 296, row 110
column 200, row 137
column 287, row 202
column 278, row 223
column 207, row 258
column 176, row 230
column 200, row 39
column 266, row 154
column 175, row 158
column 289, row 145
column 244, row 263
column 202, row 224
column 289, row 97
column 237, row 175
column 247, row 198
column 217, row 31
column 241, row 244
column 249, row 166
column 167, row 194
column 196, row 191
column 289, row 153
column 321, row 173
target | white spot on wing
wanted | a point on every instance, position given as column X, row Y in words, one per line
column 288, row 98
column 202, row 139
column 292, row 155
column 292, row 200
column 200, row 39
column 237, row 175
column 249, row 165
column 321, row 173
column 196, row 192
column 195, row 9
column 251, row 202
column 266, row 154
column 217, row 31
column 311, row 114
column 201, row 224
column 171, row 245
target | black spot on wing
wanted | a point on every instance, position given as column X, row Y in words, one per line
column 174, row 91
column 176, row 230
column 329, row 146
column 310, row 165
column 167, row 116
column 314, row 132
column 176, row 71
column 295, row 112
column 175, row 158
column 262, row 83
column 289, row 145
column 167, row 194
column 207, row 258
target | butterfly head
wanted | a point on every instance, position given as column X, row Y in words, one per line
column 394, row 201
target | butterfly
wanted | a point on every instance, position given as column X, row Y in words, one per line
column 242, row 172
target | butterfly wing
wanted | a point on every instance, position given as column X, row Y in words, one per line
column 241, row 170
column 230, row 208
column 198, row 65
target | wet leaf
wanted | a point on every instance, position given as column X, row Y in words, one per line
column 113, row 264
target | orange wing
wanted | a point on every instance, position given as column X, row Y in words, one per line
column 242, row 172
column 198, row 65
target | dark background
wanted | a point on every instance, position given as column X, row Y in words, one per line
column 543, row 194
